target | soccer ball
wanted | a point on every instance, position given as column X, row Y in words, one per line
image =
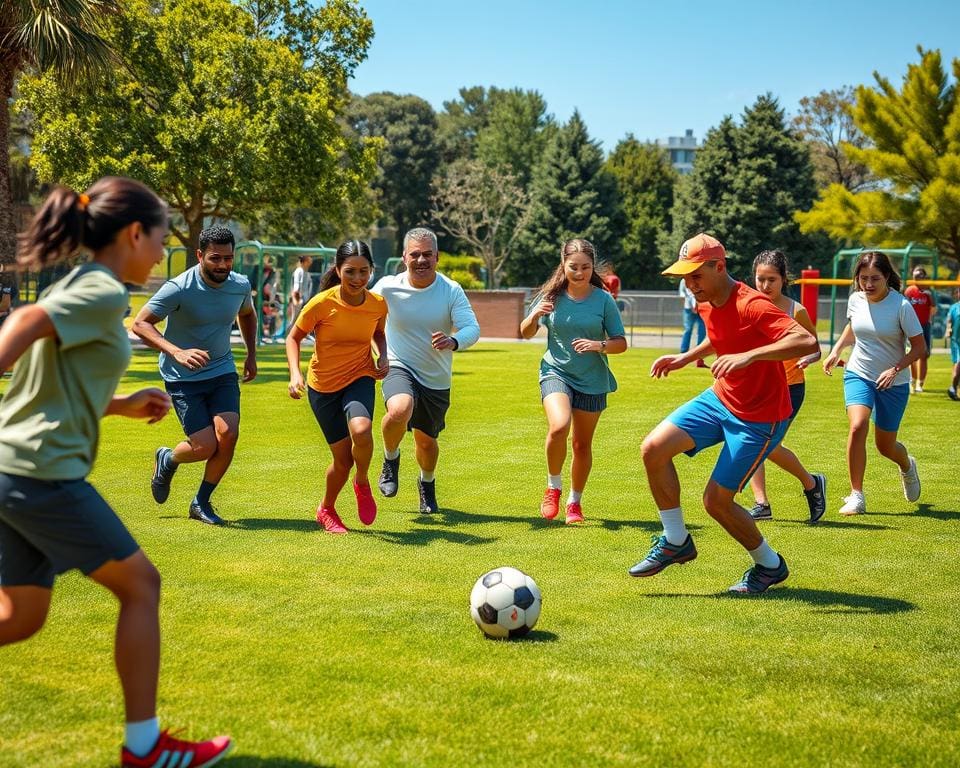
column 505, row 603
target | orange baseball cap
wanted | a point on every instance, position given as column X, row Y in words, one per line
column 694, row 253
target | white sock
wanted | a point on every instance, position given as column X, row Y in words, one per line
column 141, row 737
column 427, row 477
column 554, row 481
column 765, row 556
column 575, row 497
column 394, row 454
column 673, row 526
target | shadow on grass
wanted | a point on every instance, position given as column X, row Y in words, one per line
column 827, row 601
column 422, row 537
column 842, row 524
column 924, row 510
column 252, row 761
column 533, row 636
column 306, row 524
column 456, row 517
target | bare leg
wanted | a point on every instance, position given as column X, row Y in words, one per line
column 199, row 446
column 395, row 420
column 859, row 417
column 584, row 426
column 556, row 406
column 338, row 472
column 428, row 450
column 735, row 520
column 758, row 484
column 23, row 611
column 889, row 447
column 361, row 438
column 787, row 460
column 659, row 447
column 227, row 429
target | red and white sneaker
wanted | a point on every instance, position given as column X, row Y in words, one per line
column 170, row 752
column 366, row 505
column 330, row 520
column 574, row 513
column 550, row 506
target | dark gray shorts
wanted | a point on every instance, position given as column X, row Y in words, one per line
column 48, row 527
column 197, row 402
column 579, row 400
column 429, row 405
column 333, row 410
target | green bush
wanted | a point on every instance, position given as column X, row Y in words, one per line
column 449, row 263
column 466, row 279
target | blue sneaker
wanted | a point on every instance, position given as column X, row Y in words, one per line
column 160, row 482
column 759, row 578
column 662, row 554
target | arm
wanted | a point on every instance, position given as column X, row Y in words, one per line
column 846, row 339
column 145, row 326
column 294, row 338
column 918, row 350
column 247, row 320
column 464, row 320
column 151, row 404
column 21, row 329
column 804, row 320
column 530, row 324
column 795, row 341
column 382, row 361
column 663, row 365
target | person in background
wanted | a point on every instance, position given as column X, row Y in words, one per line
column 9, row 292
column 691, row 320
column 924, row 303
column 301, row 287
column 953, row 334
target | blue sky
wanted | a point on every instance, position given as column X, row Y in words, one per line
column 651, row 69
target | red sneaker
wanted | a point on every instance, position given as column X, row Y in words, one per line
column 574, row 513
column 550, row 505
column 366, row 506
column 702, row 364
column 330, row 520
column 183, row 754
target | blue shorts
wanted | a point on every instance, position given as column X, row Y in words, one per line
column 888, row 405
column 954, row 352
column 928, row 338
column 333, row 410
column 197, row 402
column 745, row 443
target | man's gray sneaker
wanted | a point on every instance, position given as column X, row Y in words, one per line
column 759, row 578
column 389, row 477
column 817, row 498
column 662, row 554
column 761, row 512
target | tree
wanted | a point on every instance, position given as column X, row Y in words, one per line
column 825, row 123
column 484, row 207
column 224, row 113
column 572, row 196
column 915, row 152
column 460, row 122
column 645, row 182
column 408, row 126
column 515, row 132
column 57, row 36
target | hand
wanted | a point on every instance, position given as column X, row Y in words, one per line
column 885, row 380
column 544, row 307
column 586, row 345
column 192, row 359
column 381, row 367
column 249, row 368
column 828, row 364
column 663, row 365
column 441, row 341
column 151, row 404
column 729, row 363
column 296, row 385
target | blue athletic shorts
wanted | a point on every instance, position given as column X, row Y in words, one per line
column 954, row 352
column 888, row 405
column 745, row 443
column 197, row 402
column 333, row 410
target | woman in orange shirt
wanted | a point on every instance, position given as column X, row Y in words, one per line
column 347, row 321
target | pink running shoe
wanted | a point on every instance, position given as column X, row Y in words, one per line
column 366, row 506
column 330, row 520
column 184, row 754
column 574, row 513
column 550, row 506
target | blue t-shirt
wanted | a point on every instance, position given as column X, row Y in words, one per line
column 595, row 317
column 953, row 317
column 200, row 317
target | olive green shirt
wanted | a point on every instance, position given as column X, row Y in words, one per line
column 61, row 386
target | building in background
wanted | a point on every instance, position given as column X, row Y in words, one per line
column 682, row 150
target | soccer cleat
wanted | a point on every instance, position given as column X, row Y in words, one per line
column 761, row 512
column 170, row 752
column 366, row 506
column 205, row 513
column 760, row 578
column 817, row 497
column 854, row 504
column 390, row 477
column 428, row 496
column 574, row 513
column 911, row 481
column 952, row 393
column 330, row 520
column 662, row 554
column 550, row 506
column 160, row 482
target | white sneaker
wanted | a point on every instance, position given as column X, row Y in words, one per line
column 854, row 504
column 919, row 388
column 911, row 481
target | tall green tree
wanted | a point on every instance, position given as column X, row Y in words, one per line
column 57, row 36
column 825, row 123
column 915, row 150
column 225, row 113
column 460, row 121
column 645, row 182
column 573, row 195
column 515, row 133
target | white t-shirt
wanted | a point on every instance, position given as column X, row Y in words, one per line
column 689, row 300
column 301, row 282
column 414, row 314
column 881, row 330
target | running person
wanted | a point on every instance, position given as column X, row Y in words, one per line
column 924, row 303
column 583, row 327
column 771, row 277
column 953, row 334
column 70, row 350
column 747, row 410
column 876, row 382
column 425, row 308
column 344, row 318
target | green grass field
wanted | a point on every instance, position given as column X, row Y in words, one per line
column 314, row 650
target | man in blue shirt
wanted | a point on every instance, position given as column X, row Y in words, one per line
column 196, row 364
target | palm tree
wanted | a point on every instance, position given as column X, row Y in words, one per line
column 61, row 35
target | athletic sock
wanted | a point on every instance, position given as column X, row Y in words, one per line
column 673, row 526
column 142, row 736
column 427, row 477
column 394, row 454
column 575, row 497
column 554, row 481
column 765, row 556
column 167, row 460
column 206, row 489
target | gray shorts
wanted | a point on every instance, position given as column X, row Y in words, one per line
column 581, row 401
column 429, row 405
column 48, row 527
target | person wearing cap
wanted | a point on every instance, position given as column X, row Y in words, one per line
column 747, row 410
column 924, row 303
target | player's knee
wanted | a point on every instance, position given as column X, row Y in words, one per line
column 859, row 427
column 581, row 447
column 362, row 437
column 228, row 436
column 144, row 584
column 204, row 448
column 651, row 451
column 716, row 501
column 20, row 626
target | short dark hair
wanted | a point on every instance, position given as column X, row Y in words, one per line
column 216, row 234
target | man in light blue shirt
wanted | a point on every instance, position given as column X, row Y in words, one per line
column 424, row 308
column 196, row 364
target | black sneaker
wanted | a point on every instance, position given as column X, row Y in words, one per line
column 205, row 513
column 662, row 554
column 759, row 579
column 817, row 498
column 761, row 512
column 160, row 482
column 428, row 497
column 389, row 477
column 952, row 394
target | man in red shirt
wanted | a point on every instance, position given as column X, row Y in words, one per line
column 925, row 305
column 747, row 410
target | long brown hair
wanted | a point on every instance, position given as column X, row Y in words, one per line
column 881, row 262
column 557, row 282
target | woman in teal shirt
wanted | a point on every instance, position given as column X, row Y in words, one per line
column 583, row 327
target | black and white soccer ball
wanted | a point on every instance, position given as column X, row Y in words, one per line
column 505, row 603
